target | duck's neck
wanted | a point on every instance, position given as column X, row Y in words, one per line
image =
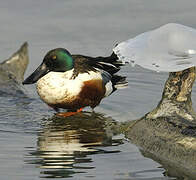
column 176, row 97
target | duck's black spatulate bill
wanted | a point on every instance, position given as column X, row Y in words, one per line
column 37, row 74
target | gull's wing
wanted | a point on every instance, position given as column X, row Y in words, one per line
column 170, row 48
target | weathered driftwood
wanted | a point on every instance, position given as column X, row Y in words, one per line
column 169, row 131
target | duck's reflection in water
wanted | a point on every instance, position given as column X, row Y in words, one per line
column 64, row 144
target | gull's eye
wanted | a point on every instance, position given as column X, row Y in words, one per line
column 54, row 57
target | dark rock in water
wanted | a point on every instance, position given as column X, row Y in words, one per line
column 168, row 133
column 12, row 72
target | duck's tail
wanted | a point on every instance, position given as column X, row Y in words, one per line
column 113, row 59
column 119, row 82
column 110, row 64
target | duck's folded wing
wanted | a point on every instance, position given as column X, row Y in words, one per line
column 106, row 79
column 169, row 48
column 112, row 82
column 109, row 64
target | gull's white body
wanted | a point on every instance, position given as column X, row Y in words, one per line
column 170, row 48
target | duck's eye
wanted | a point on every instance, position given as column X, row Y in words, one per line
column 54, row 57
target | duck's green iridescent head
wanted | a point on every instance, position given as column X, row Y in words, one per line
column 56, row 60
column 59, row 60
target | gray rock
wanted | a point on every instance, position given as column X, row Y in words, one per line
column 12, row 72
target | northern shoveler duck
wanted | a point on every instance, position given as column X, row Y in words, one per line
column 75, row 81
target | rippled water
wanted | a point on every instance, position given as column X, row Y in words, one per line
column 34, row 143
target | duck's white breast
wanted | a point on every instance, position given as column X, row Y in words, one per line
column 58, row 87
